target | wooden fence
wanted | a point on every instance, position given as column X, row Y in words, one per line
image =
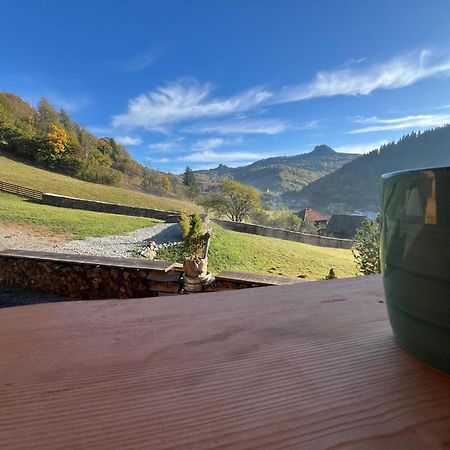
column 20, row 190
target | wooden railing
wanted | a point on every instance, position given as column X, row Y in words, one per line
column 20, row 190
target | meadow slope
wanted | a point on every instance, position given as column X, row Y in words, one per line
column 231, row 250
column 72, row 223
column 30, row 176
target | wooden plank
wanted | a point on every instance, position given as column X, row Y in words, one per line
column 257, row 278
column 311, row 366
column 159, row 266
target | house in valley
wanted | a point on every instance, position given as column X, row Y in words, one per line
column 342, row 226
column 315, row 216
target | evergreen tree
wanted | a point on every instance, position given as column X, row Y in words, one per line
column 366, row 249
column 190, row 181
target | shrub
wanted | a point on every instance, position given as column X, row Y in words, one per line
column 331, row 275
column 195, row 235
column 366, row 247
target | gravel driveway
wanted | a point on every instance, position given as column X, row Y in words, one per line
column 120, row 246
column 123, row 246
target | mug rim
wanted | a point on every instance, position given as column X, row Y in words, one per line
column 413, row 171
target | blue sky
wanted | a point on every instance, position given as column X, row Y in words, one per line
column 200, row 83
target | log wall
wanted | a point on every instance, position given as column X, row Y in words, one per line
column 86, row 281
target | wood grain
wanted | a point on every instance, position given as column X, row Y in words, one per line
column 260, row 279
column 308, row 366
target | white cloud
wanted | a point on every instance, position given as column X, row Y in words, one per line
column 185, row 99
column 157, row 160
column 221, row 157
column 397, row 72
column 401, row 123
column 209, row 144
column 359, row 148
column 128, row 140
column 163, row 146
column 263, row 126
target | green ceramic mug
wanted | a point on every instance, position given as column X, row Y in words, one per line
column 415, row 259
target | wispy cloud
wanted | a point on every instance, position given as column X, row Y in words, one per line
column 184, row 99
column 128, row 140
column 188, row 100
column 138, row 62
column 397, row 72
column 163, row 146
column 360, row 148
column 215, row 142
column 262, row 126
column 421, row 121
column 221, row 157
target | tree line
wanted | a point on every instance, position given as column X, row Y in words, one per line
column 52, row 139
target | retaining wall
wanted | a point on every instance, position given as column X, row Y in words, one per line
column 260, row 230
column 112, row 208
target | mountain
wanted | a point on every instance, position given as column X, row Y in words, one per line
column 52, row 140
column 279, row 174
column 356, row 185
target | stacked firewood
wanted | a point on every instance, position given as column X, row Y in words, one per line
column 84, row 281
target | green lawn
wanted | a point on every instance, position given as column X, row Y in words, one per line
column 71, row 222
column 239, row 251
column 43, row 180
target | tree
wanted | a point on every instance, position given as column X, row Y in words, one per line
column 234, row 200
column 366, row 247
column 47, row 115
column 190, row 181
column 54, row 145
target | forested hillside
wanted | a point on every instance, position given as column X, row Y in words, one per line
column 52, row 140
column 281, row 173
column 356, row 186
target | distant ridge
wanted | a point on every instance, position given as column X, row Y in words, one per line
column 356, row 185
column 281, row 173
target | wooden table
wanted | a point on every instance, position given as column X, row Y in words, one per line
column 308, row 366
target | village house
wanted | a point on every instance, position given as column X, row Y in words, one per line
column 311, row 214
column 342, row 226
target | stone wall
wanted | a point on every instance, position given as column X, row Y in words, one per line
column 82, row 281
column 112, row 208
column 260, row 230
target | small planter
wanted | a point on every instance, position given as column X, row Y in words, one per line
column 196, row 235
column 196, row 277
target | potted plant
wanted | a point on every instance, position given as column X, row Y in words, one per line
column 196, row 239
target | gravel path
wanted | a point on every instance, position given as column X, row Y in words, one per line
column 123, row 246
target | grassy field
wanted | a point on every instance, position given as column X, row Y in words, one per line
column 27, row 175
column 229, row 249
column 239, row 251
column 70, row 222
